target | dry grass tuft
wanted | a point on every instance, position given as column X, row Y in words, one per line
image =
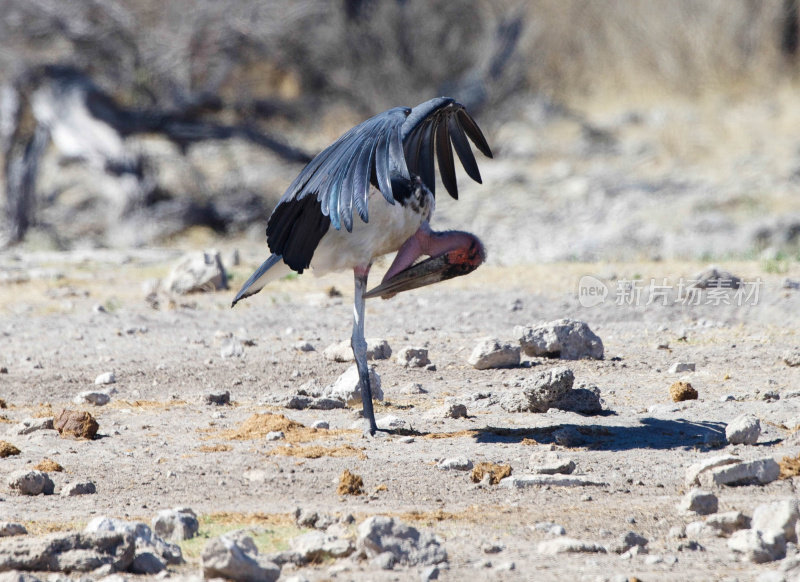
column 7, row 449
column 48, row 466
column 790, row 467
column 259, row 425
column 218, row 448
column 350, row 484
column 494, row 471
column 681, row 391
column 317, row 451
column 234, row 518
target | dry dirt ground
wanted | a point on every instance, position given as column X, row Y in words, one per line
column 160, row 446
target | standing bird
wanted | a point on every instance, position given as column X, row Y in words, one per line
column 382, row 169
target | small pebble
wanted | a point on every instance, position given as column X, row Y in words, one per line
column 106, row 378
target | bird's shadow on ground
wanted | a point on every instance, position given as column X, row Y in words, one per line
column 651, row 433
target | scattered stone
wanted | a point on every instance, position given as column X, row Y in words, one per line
column 237, row 558
column 145, row 540
column 489, row 548
column 413, row 388
column 757, row 546
column 455, row 464
column 73, row 489
column 410, row 357
column 680, row 367
column 681, row 391
column 694, row 471
column 584, row 400
column 231, row 348
column 409, row 546
column 384, row 561
column 569, row 437
column 691, row 546
column 758, row 472
column 549, row 480
column 197, row 273
column 743, row 430
column 790, row 283
column 491, row 353
column 145, row 563
column 303, row 346
column 550, row 528
column 305, row 517
column 726, row 523
column 715, row 278
column 455, row 410
column 275, row 435
column 391, row 422
column 298, row 402
column 106, row 378
column 566, row 339
column 778, row 518
column 491, row 471
column 92, row 397
column 565, row 545
column 699, row 530
column 791, row 357
column 30, row 482
column 677, row 531
column 317, row 546
column 700, row 502
column 430, row 573
column 513, row 401
column 30, row 425
column 73, row 552
column 348, row 386
column 630, row 540
column 551, row 463
column 9, row 528
column 219, row 398
column 377, row 349
column 545, row 388
column 771, row 396
column 176, row 524
column 76, row 424
column 350, row 484
column 321, row 425
column 8, row 450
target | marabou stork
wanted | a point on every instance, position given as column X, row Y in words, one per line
column 382, row 169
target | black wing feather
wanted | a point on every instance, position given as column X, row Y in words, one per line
column 444, row 153
column 461, row 145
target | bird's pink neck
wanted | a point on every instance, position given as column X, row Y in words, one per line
column 427, row 242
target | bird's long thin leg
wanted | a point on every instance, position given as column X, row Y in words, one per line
column 359, row 344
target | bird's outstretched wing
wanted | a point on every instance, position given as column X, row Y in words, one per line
column 388, row 147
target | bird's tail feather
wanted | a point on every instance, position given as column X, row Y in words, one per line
column 263, row 275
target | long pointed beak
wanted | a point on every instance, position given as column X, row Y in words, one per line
column 456, row 263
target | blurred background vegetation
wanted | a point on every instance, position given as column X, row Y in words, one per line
column 127, row 122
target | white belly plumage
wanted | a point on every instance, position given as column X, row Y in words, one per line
column 388, row 228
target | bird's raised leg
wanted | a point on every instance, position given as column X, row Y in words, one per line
column 359, row 345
